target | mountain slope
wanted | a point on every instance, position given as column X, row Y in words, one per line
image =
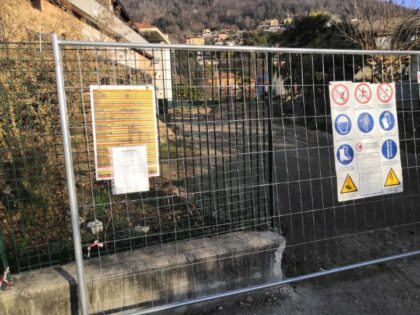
column 181, row 18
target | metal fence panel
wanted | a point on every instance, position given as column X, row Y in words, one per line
column 251, row 148
column 32, row 194
column 245, row 143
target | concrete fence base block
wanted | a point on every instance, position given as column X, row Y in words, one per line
column 152, row 276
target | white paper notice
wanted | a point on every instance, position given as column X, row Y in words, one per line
column 130, row 169
column 366, row 139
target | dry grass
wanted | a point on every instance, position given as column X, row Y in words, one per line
column 20, row 21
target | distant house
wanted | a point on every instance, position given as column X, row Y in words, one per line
column 224, row 80
column 104, row 20
column 271, row 25
column 266, row 24
column 274, row 29
column 152, row 33
column 161, row 59
column 205, row 31
column 196, row 40
column 207, row 59
column 271, row 22
column 107, row 21
column 222, row 37
column 383, row 31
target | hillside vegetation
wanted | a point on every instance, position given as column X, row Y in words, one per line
column 181, row 18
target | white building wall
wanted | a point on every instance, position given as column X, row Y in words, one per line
column 162, row 66
column 163, row 76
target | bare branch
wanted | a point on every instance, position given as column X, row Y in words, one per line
column 381, row 24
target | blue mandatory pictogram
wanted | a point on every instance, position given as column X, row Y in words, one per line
column 342, row 124
column 345, row 154
column 365, row 122
column 387, row 120
column 389, row 149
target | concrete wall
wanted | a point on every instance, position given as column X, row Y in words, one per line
column 159, row 275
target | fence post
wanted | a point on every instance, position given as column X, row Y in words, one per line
column 3, row 255
column 271, row 154
column 71, row 186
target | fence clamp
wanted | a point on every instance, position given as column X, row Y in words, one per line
column 6, row 280
column 95, row 244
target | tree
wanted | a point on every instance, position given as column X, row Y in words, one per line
column 255, row 39
column 300, row 71
column 314, row 31
column 196, row 14
column 382, row 24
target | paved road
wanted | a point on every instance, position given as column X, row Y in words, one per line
column 392, row 288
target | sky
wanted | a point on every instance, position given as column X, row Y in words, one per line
column 408, row 3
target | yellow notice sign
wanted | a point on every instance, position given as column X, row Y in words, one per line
column 123, row 116
column 348, row 186
column 392, row 179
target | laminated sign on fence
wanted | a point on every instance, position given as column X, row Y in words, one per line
column 366, row 139
column 124, row 116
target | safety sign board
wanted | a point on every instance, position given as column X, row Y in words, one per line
column 342, row 124
column 387, row 120
column 348, row 186
column 365, row 122
column 385, row 92
column 130, row 170
column 123, row 116
column 340, row 94
column 366, row 139
column 392, row 179
column 363, row 93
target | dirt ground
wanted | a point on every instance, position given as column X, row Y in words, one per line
column 391, row 288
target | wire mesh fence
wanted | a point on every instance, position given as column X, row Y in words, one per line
column 245, row 144
column 213, row 153
column 32, row 195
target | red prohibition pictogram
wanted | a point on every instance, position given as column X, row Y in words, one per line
column 363, row 93
column 385, row 92
column 340, row 94
column 359, row 146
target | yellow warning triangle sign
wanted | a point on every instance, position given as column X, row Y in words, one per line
column 392, row 179
column 348, row 186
